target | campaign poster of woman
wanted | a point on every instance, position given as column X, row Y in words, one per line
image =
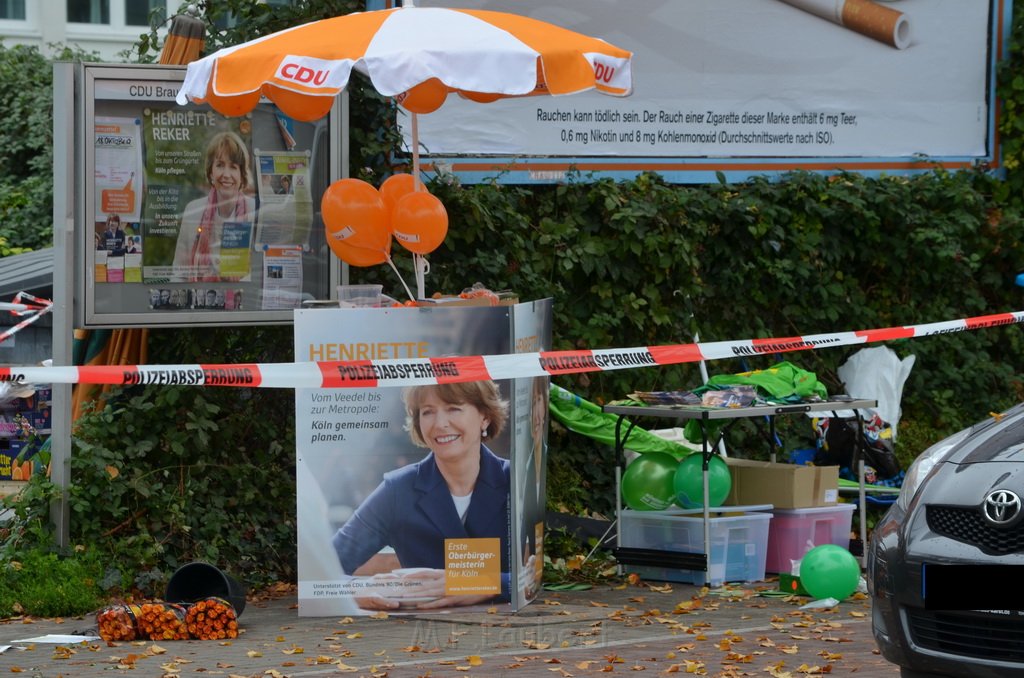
column 200, row 206
column 405, row 494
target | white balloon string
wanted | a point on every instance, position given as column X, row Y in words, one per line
column 421, row 270
column 416, row 258
column 400, row 279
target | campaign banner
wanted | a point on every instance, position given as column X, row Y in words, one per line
column 722, row 79
column 200, row 197
column 409, row 500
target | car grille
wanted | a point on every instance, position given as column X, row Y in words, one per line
column 968, row 634
column 969, row 526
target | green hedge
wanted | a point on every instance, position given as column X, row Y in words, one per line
column 629, row 263
column 208, row 473
column 640, row 262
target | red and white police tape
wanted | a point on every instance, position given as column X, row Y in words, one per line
column 425, row 371
column 35, row 309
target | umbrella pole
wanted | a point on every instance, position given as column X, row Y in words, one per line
column 418, row 260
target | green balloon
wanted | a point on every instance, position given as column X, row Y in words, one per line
column 829, row 571
column 647, row 482
column 689, row 481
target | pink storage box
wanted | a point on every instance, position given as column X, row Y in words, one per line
column 794, row 532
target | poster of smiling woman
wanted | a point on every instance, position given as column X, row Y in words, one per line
column 406, row 494
column 200, row 204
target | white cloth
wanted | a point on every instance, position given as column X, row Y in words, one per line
column 876, row 373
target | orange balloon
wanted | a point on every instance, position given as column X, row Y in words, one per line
column 356, row 222
column 425, row 97
column 358, row 256
column 419, row 222
column 298, row 105
column 480, row 97
column 232, row 106
column 397, row 185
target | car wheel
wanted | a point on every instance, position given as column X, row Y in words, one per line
column 910, row 673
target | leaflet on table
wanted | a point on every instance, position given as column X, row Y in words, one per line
column 192, row 230
column 282, row 277
column 286, row 202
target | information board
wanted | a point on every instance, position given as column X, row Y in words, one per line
column 188, row 217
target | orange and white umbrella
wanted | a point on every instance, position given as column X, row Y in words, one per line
column 481, row 54
column 419, row 55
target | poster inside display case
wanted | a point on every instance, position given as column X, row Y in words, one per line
column 187, row 217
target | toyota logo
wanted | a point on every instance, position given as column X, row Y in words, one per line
column 1001, row 507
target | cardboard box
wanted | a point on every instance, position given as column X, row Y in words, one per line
column 785, row 486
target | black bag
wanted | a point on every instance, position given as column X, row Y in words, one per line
column 837, row 445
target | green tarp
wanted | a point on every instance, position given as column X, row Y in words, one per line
column 584, row 417
column 782, row 382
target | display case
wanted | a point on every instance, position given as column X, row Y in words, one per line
column 185, row 217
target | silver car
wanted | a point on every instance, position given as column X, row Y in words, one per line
column 945, row 565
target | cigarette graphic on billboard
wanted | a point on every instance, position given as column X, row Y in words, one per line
column 862, row 16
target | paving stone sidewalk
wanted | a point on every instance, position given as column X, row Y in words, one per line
column 652, row 627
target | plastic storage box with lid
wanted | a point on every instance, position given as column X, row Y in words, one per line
column 794, row 532
column 738, row 543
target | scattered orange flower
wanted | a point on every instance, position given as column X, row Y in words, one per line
column 162, row 621
column 212, row 619
column 118, row 622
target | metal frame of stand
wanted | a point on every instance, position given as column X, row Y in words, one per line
column 703, row 415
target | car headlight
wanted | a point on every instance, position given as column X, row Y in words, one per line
column 924, row 464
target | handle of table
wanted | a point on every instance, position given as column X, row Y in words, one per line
column 790, row 409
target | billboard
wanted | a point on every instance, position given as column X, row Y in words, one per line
column 744, row 87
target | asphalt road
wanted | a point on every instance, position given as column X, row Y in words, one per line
column 652, row 627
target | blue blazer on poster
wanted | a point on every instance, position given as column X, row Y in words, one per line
column 412, row 511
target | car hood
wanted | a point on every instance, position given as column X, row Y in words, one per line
column 1000, row 438
column 991, row 457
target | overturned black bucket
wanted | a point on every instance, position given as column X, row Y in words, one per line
column 196, row 581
